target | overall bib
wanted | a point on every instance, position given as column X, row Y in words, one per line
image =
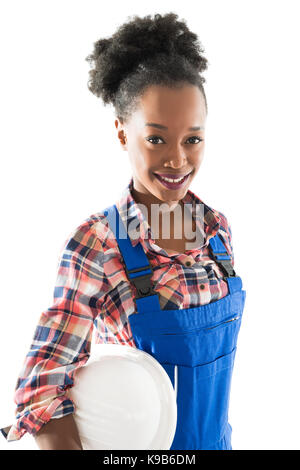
column 196, row 346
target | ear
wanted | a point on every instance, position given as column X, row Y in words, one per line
column 121, row 133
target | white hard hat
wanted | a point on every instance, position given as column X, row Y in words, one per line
column 124, row 399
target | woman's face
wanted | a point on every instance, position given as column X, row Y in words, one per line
column 160, row 140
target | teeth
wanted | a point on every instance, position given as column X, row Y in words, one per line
column 172, row 181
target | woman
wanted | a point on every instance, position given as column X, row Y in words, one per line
column 186, row 308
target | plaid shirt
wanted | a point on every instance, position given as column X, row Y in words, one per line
column 92, row 293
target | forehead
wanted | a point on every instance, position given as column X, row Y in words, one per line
column 172, row 107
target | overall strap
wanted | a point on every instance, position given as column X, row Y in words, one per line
column 137, row 266
column 222, row 258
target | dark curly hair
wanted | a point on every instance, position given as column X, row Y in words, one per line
column 143, row 52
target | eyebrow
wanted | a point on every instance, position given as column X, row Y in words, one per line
column 160, row 126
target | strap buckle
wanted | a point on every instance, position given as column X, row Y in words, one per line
column 225, row 264
column 227, row 267
column 142, row 283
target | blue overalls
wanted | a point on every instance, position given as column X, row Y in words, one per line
column 196, row 346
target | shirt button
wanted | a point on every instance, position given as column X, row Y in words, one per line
column 188, row 263
column 202, row 286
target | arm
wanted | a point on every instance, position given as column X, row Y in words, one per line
column 61, row 344
column 59, row 434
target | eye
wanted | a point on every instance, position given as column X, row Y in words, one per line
column 155, row 137
column 196, row 137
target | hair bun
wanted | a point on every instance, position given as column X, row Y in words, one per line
column 136, row 42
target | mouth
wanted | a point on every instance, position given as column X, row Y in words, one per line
column 172, row 183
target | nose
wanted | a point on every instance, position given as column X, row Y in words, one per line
column 176, row 160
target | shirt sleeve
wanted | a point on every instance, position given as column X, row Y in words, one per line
column 62, row 338
column 230, row 244
column 226, row 233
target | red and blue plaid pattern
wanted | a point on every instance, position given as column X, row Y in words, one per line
column 92, row 291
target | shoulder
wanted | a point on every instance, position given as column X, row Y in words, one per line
column 89, row 237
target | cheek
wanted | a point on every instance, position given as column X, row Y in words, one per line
column 196, row 160
column 199, row 157
column 141, row 162
column 145, row 160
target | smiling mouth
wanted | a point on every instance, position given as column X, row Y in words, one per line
column 171, row 183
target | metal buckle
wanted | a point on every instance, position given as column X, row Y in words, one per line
column 142, row 283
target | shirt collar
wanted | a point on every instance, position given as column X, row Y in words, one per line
column 139, row 230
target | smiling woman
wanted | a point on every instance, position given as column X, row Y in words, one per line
column 164, row 164
column 181, row 304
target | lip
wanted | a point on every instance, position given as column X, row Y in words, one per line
column 169, row 185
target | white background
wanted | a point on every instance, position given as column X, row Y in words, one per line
column 61, row 162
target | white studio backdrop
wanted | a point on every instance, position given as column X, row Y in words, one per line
column 61, row 162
